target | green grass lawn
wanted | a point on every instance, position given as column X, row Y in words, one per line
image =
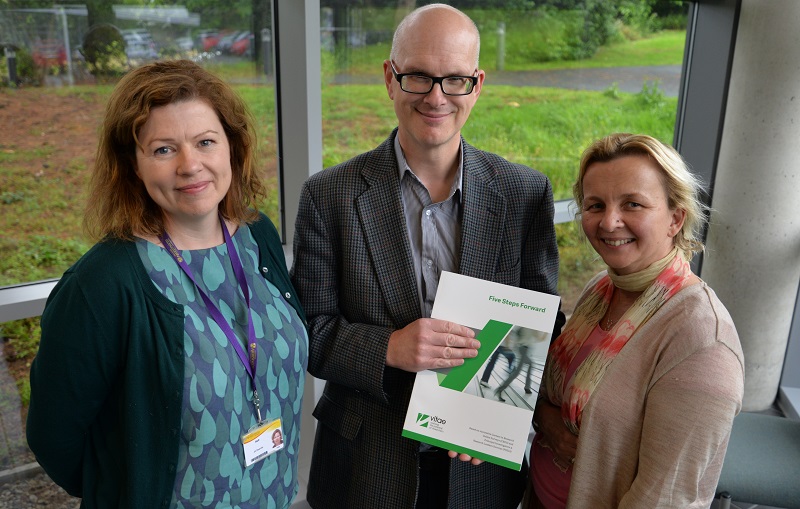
column 545, row 128
column 662, row 48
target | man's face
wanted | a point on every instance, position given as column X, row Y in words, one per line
column 429, row 121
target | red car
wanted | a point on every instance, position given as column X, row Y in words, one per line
column 209, row 40
column 242, row 44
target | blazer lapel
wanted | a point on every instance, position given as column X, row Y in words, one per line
column 380, row 212
column 484, row 217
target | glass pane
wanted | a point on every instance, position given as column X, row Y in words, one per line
column 556, row 79
column 55, row 78
column 65, row 61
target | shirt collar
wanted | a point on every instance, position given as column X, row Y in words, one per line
column 403, row 167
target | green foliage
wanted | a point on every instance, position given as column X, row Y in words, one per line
column 24, row 389
column 541, row 38
column 672, row 22
column 22, row 337
column 27, row 72
column 104, row 51
column 9, row 197
column 578, row 262
column 232, row 14
column 651, row 95
column 639, row 16
column 22, row 342
column 613, row 91
column 598, row 26
column 558, row 36
column 328, row 67
column 37, row 257
column 545, row 128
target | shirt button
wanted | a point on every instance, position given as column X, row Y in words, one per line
column 264, row 269
column 428, row 213
column 287, row 295
column 429, row 263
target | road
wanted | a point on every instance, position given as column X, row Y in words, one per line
column 627, row 79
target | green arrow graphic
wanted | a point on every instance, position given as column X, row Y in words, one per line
column 490, row 337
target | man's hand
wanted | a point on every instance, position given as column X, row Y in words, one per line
column 464, row 457
column 429, row 344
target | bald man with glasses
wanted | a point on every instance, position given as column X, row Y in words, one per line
column 372, row 237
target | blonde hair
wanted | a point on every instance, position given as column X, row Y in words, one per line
column 119, row 204
column 683, row 188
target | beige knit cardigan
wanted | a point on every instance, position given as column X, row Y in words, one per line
column 655, row 430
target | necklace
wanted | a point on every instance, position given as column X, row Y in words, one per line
column 607, row 323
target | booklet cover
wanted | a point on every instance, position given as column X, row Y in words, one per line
column 484, row 407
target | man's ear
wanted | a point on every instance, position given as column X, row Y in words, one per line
column 388, row 78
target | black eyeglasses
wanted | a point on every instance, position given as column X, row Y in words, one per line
column 421, row 84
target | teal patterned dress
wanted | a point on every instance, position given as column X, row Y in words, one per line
column 218, row 397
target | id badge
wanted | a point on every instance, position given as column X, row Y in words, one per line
column 262, row 440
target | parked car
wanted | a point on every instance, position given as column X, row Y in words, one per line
column 208, row 40
column 242, row 45
column 139, row 44
column 226, row 41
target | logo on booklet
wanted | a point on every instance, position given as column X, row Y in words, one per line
column 430, row 421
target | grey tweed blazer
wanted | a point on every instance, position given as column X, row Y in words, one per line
column 353, row 271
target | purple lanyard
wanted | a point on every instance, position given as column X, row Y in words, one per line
column 248, row 361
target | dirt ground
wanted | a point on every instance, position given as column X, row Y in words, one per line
column 30, row 119
column 64, row 125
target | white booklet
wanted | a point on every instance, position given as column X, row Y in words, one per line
column 484, row 407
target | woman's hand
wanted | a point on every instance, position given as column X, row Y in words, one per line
column 554, row 433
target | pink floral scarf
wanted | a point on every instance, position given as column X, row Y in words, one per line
column 659, row 283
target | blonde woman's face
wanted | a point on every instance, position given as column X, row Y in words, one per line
column 626, row 215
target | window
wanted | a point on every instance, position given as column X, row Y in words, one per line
column 552, row 86
column 66, row 62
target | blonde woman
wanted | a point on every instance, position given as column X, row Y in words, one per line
column 641, row 387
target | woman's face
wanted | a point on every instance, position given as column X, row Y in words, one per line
column 184, row 161
column 625, row 213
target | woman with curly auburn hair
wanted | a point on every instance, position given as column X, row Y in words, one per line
column 174, row 349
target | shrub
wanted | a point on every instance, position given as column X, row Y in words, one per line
column 104, row 51
column 27, row 72
column 651, row 95
column 22, row 337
